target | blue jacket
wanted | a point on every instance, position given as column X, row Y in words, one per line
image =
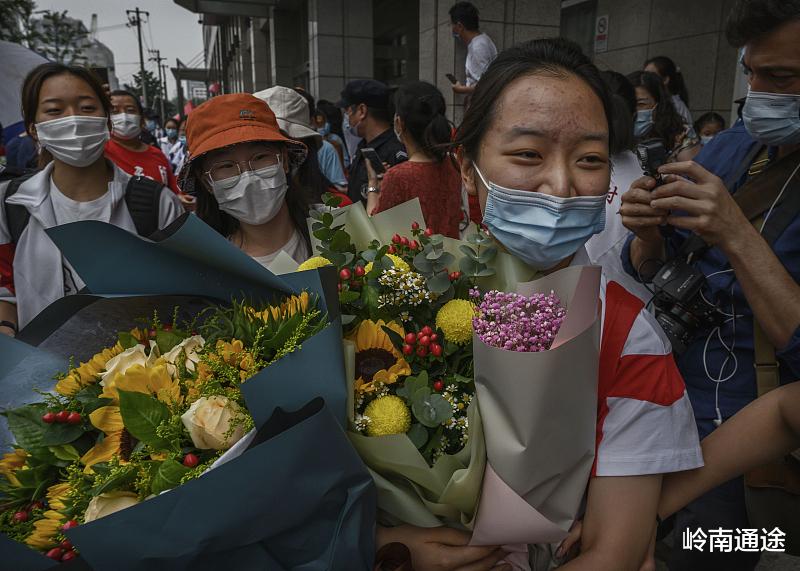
column 723, row 156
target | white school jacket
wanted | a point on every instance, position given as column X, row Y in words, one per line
column 31, row 271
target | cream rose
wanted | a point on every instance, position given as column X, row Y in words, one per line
column 109, row 503
column 134, row 356
column 208, row 421
column 189, row 347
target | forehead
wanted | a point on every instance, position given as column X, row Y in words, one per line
column 65, row 85
column 778, row 49
column 560, row 105
column 125, row 100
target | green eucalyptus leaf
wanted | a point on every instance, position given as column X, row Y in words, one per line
column 340, row 241
column 315, row 214
column 485, row 273
column 488, row 254
column 418, row 435
column 469, row 267
column 468, row 251
column 368, row 255
column 439, row 283
column 327, row 218
column 446, row 259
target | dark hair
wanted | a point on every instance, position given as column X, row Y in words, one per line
column 422, row 109
column 668, row 70
column 707, row 118
column 667, row 123
column 624, row 100
column 309, row 176
column 209, row 212
column 382, row 114
column 334, row 116
column 751, row 19
column 552, row 56
column 467, row 14
column 32, row 87
column 173, row 120
column 123, row 93
column 312, row 108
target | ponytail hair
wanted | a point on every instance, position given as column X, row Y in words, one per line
column 422, row 109
column 668, row 70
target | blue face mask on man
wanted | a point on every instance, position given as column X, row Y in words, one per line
column 540, row 229
column 325, row 129
column 772, row 118
column 348, row 128
column 643, row 122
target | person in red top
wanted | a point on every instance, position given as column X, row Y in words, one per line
column 430, row 173
column 126, row 150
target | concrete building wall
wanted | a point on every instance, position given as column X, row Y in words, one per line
column 691, row 32
column 507, row 22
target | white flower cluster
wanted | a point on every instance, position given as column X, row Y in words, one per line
column 404, row 288
column 361, row 422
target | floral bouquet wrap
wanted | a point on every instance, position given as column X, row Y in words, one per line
column 202, row 427
column 474, row 384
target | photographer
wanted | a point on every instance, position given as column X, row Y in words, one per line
column 752, row 268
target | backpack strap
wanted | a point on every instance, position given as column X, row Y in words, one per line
column 143, row 196
column 17, row 216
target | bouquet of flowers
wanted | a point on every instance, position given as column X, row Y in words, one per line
column 183, row 422
column 462, row 369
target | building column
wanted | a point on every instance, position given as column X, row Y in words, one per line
column 260, row 52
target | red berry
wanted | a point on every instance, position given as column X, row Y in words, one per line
column 434, row 337
column 49, row 417
column 452, row 276
column 457, row 274
column 69, row 525
column 415, row 225
column 411, row 338
column 422, row 351
column 19, row 517
column 426, row 331
column 339, row 286
column 424, row 340
column 360, row 271
column 438, row 385
column 396, row 239
column 344, row 274
column 66, row 545
column 62, row 416
column 413, row 245
column 407, row 349
column 436, row 350
column 191, row 460
column 69, row 555
column 428, row 232
column 392, row 250
column 404, row 241
column 74, row 418
column 55, row 553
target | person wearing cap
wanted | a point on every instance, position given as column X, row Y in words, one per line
column 291, row 109
column 238, row 166
column 368, row 114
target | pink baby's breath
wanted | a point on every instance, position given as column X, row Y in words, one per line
column 516, row 322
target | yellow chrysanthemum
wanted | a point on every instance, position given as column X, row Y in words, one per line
column 11, row 462
column 455, row 320
column 87, row 373
column 45, row 530
column 387, row 415
column 377, row 359
column 56, row 494
column 399, row 263
column 313, row 263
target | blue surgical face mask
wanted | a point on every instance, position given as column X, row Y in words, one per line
column 540, row 229
column 706, row 139
column 151, row 125
column 643, row 122
column 325, row 129
column 171, row 133
column 772, row 118
column 182, row 139
column 350, row 128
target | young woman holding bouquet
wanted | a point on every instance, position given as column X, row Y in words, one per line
column 534, row 147
column 66, row 111
column 239, row 166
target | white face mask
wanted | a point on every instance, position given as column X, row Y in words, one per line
column 126, row 125
column 75, row 140
column 257, row 196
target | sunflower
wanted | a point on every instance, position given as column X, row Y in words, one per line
column 117, row 441
column 377, row 359
column 11, row 462
column 45, row 530
column 87, row 373
column 56, row 494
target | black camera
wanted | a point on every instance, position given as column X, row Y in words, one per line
column 651, row 154
column 681, row 309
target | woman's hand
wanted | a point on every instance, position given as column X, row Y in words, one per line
column 443, row 549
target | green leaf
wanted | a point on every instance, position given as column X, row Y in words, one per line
column 422, row 264
column 125, row 475
column 369, row 295
column 315, row 226
column 348, row 296
column 340, row 241
column 418, row 435
column 90, row 398
column 142, row 414
column 412, row 385
column 432, row 410
column 462, row 379
column 327, row 219
column 439, row 283
column 168, row 476
column 446, row 259
column 469, row 267
column 397, row 339
column 26, row 424
column 126, row 340
column 65, row 452
column 368, row 255
column 478, row 238
column 315, row 214
column 167, row 340
column 485, row 273
column 467, row 251
column 487, row 255
column 433, row 255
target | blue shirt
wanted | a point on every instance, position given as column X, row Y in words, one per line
column 723, row 156
column 329, row 164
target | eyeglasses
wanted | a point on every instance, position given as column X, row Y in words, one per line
column 229, row 172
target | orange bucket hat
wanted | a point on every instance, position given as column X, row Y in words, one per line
column 227, row 120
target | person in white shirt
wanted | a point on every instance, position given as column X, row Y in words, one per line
column 66, row 112
column 481, row 50
column 173, row 147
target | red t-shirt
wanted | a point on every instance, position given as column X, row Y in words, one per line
column 438, row 187
column 150, row 163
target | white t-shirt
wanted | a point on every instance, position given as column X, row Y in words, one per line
column 296, row 247
column 480, row 53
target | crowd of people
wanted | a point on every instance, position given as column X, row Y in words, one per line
column 545, row 160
